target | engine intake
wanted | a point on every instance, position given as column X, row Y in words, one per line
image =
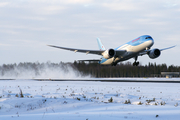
column 154, row 53
column 109, row 53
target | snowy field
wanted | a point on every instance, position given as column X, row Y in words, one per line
column 81, row 100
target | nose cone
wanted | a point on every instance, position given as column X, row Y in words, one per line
column 149, row 39
column 151, row 43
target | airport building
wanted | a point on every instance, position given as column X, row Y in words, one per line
column 170, row 74
column 167, row 74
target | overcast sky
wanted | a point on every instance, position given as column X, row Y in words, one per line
column 27, row 26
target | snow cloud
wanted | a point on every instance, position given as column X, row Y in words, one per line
column 42, row 71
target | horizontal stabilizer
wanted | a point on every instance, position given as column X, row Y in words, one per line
column 97, row 60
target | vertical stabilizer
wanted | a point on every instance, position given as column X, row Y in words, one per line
column 100, row 45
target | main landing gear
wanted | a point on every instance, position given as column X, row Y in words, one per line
column 135, row 63
column 113, row 64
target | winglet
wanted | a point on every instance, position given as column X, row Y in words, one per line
column 100, row 45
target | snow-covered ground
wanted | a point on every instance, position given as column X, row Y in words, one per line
column 81, row 100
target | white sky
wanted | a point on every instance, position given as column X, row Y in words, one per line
column 27, row 26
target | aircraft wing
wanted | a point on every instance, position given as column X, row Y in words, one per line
column 97, row 52
column 167, row 48
column 147, row 51
column 143, row 53
column 120, row 52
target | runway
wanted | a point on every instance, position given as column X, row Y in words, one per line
column 148, row 80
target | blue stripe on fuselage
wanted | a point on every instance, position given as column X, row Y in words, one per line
column 137, row 41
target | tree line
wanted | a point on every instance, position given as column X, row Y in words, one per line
column 93, row 69
column 124, row 69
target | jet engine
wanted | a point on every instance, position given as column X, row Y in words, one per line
column 109, row 53
column 154, row 53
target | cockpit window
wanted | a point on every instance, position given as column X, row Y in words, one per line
column 148, row 38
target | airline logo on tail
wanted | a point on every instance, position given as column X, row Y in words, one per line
column 100, row 45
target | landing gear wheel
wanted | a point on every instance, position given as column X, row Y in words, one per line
column 135, row 63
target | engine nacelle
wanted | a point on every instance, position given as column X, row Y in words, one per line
column 109, row 53
column 154, row 53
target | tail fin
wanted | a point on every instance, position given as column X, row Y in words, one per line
column 101, row 46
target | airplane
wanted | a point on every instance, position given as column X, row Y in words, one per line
column 132, row 49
